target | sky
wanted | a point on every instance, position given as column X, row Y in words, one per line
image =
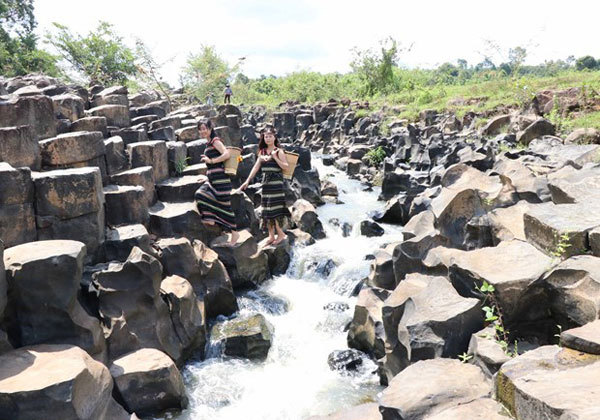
column 281, row 36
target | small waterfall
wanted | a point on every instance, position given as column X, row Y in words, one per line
column 295, row 381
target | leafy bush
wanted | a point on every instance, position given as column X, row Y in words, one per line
column 376, row 156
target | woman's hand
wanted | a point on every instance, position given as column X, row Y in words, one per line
column 206, row 159
column 241, row 188
column 264, row 158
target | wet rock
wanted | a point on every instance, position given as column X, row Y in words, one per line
column 366, row 331
column 218, row 291
column 345, row 359
column 299, row 237
column 19, row 147
column 59, row 379
column 148, row 382
column 279, row 257
column 308, row 185
column 305, row 217
column 382, row 271
column 585, row 338
column 431, row 386
column 396, row 211
column 131, row 308
column 550, row 382
column 370, row 229
column 513, row 268
column 46, row 274
column 574, row 290
column 547, row 226
column 329, row 188
column 150, row 153
column 187, row 314
column 248, row 337
column 245, row 262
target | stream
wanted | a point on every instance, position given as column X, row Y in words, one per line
column 295, row 381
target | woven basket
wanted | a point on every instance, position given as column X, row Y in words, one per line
column 232, row 163
column 292, row 160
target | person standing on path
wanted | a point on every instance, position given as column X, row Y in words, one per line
column 213, row 198
column 271, row 160
column 228, row 94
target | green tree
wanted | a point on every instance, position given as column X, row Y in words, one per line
column 586, row 62
column 516, row 58
column 376, row 69
column 100, row 57
column 206, row 72
column 18, row 44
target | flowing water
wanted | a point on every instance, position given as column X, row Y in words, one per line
column 295, row 381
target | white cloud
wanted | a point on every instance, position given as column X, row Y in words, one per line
column 279, row 37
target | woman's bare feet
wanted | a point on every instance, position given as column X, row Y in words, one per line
column 234, row 238
column 268, row 241
column 208, row 222
column 280, row 239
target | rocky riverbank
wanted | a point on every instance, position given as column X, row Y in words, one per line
column 111, row 284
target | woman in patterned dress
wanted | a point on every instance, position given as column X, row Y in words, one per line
column 214, row 196
column 271, row 160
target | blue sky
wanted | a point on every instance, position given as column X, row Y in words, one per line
column 279, row 37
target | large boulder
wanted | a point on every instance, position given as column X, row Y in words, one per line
column 91, row 124
column 528, row 185
column 148, row 382
column 150, row 153
column 121, row 240
column 487, row 352
column 56, row 381
column 187, row 314
column 550, row 383
column 116, row 115
column 308, row 185
column 305, row 217
column 17, row 219
column 574, row 291
column 436, row 320
column 68, row 106
column 479, row 409
column 512, row 268
column 177, row 220
column 19, row 147
column 116, row 160
column 245, row 262
column 125, row 205
column 561, row 230
column 431, row 386
column 142, row 176
column 570, row 185
column 131, row 308
column 248, row 337
column 536, row 129
column 72, row 148
column 46, row 274
column 366, row 331
column 69, row 204
column 35, row 111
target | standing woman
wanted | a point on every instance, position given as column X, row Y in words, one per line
column 214, row 196
column 271, row 159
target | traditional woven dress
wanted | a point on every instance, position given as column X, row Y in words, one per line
column 214, row 196
column 273, row 197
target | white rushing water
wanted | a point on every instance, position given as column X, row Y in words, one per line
column 295, row 381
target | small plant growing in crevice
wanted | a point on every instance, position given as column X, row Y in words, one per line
column 494, row 317
column 181, row 164
column 563, row 243
column 376, row 156
column 465, row 357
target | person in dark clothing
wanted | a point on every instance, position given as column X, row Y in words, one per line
column 271, row 160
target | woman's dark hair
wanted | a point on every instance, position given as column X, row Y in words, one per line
column 208, row 125
column 262, row 144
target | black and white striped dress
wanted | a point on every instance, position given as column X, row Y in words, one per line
column 214, row 196
column 273, row 197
